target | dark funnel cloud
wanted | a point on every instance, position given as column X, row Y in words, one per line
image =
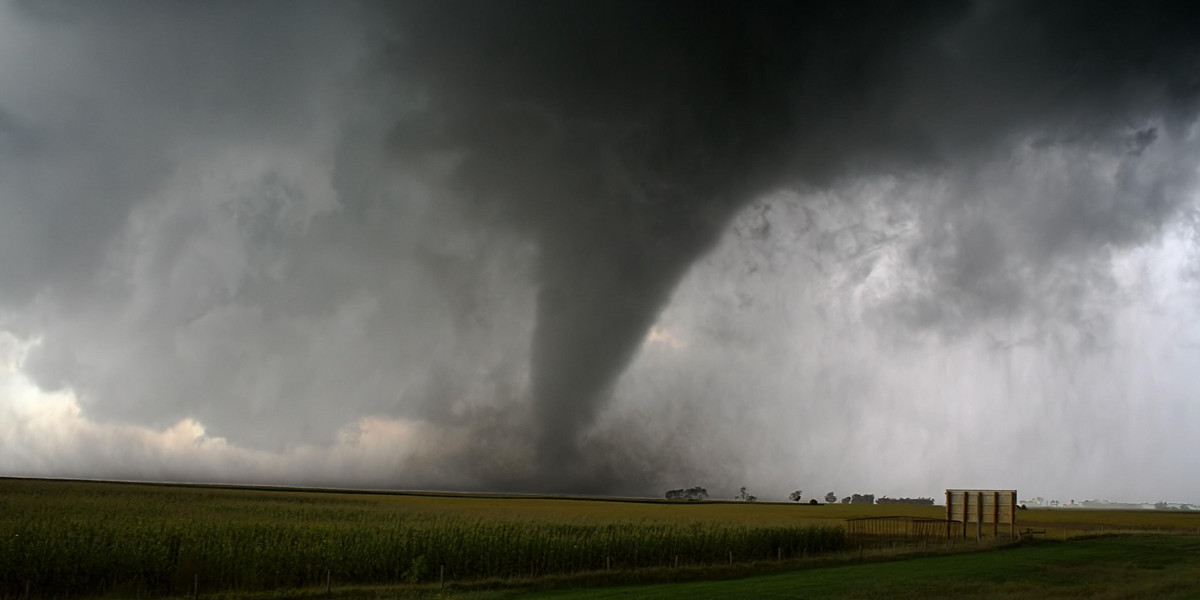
column 622, row 137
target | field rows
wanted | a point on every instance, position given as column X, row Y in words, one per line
column 71, row 538
column 74, row 538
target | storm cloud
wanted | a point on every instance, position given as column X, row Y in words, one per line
column 592, row 246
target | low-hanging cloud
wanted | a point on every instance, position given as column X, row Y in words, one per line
column 518, row 226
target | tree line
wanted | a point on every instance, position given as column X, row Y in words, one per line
column 699, row 493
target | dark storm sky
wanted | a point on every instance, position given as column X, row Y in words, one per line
column 606, row 246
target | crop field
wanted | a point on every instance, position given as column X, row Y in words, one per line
column 71, row 538
column 1064, row 523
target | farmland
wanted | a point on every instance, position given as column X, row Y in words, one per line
column 70, row 538
column 1127, row 566
column 63, row 538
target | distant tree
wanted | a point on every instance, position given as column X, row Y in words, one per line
column 886, row 500
column 744, row 496
column 846, row 500
column 862, row 499
column 795, row 496
column 692, row 493
column 831, row 497
column 814, row 502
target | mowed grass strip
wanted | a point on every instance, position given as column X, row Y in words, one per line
column 1109, row 567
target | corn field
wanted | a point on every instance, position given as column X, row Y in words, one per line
column 73, row 538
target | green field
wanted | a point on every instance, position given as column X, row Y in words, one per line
column 70, row 538
column 1128, row 566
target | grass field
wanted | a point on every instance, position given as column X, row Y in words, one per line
column 1137, row 566
column 64, row 538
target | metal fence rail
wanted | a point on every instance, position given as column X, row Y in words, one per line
column 902, row 528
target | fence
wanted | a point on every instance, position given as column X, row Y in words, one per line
column 888, row 529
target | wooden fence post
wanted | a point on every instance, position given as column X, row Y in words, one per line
column 1012, row 517
column 978, row 516
column 949, row 512
column 995, row 514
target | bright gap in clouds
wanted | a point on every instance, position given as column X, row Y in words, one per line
column 45, row 434
column 799, row 373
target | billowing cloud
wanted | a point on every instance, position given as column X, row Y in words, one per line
column 599, row 247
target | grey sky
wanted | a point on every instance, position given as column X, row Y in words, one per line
column 602, row 247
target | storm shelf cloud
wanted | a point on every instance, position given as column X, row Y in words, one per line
column 612, row 247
